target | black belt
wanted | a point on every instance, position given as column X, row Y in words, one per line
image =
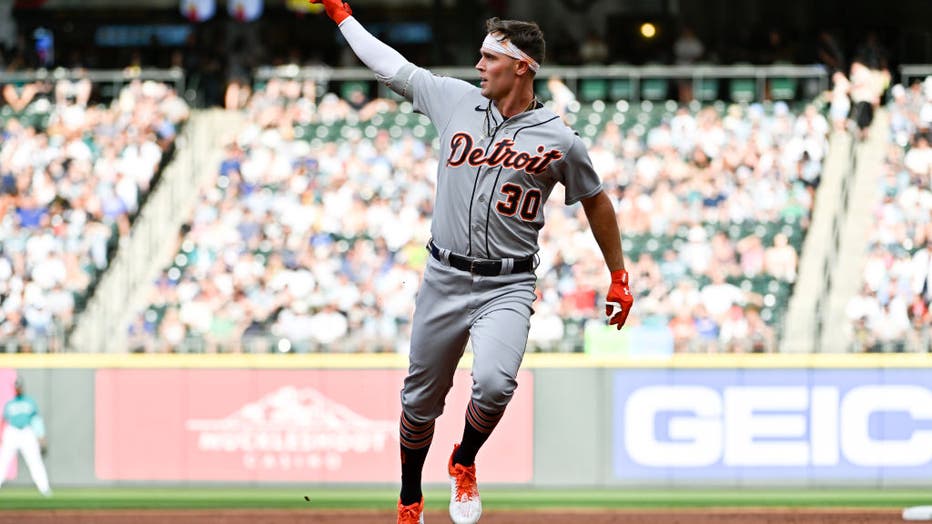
column 481, row 266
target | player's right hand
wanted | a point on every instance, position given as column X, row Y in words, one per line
column 619, row 300
column 337, row 10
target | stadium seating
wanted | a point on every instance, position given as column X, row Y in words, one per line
column 890, row 312
column 72, row 177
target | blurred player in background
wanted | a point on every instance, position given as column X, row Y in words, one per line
column 24, row 431
column 504, row 154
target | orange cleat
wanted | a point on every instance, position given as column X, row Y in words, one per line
column 412, row 514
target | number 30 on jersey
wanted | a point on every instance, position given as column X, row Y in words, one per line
column 523, row 202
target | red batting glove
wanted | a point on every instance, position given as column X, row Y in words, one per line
column 337, row 10
column 619, row 300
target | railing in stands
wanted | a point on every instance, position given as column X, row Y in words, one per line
column 749, row 81
column 908, row 72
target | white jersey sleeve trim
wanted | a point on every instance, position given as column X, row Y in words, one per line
column 384, row 61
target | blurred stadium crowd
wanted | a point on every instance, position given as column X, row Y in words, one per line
column 72, row 175
column 891, row 310
column 311, row 235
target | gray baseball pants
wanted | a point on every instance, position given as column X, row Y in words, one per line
column 453, row 306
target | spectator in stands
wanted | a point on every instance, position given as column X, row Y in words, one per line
column 77, row 91
column 724, row 259
column 902, row 120
column 840, row 102
column 683, row 328
column 734, row 332
column 892, row 326
column 777, row 49
column 761, row 337
column 780, row 260
column 919, row 337
column 719, row 296
column 864, row 311
column 867, row 86
column 863, row 340
column 561, row 96
column 172, row 331
column 752, row 255
column 918, row 160
column 707, row 329
column 594, row 50
column 18, row 95
column 925, row 111
column 863, row 96
column 687, row 50
column 921, row 271
column 829, row 53
column 871, row 52
column 547, row 330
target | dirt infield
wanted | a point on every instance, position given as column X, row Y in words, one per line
column 686, row 516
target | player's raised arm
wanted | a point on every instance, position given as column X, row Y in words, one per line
column 384, row 61
column 434, row 96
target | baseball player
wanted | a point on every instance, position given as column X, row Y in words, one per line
column 24, row 432
column 501, row 155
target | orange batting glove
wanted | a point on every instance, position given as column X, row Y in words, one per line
column 619, row 300
column 337, row 10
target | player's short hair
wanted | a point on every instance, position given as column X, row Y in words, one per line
column 526, row 35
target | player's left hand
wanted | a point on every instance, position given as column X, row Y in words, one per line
column 337, row 10
column 43, row 445
column 619, row 300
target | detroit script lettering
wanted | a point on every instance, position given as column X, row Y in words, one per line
column 502, row 153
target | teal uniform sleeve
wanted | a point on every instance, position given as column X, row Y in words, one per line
column 38, row 426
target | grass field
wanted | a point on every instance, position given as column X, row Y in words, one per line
column 290, row 498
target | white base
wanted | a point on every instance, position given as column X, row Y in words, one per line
column 918, row 513
column 463, row 512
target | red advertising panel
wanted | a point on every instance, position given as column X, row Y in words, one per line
column 7, row 377
column 285, row 425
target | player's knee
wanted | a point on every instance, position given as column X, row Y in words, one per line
column 421, row 413
column 495, row 389
column 423, row 401
column 421, row 409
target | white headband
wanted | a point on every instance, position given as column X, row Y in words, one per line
column 505, row 47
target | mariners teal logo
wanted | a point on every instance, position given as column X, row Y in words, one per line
column 503, row 154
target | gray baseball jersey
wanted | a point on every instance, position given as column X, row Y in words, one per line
column 494, row 174
column 493, row 180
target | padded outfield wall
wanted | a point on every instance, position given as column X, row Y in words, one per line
column 696, row 420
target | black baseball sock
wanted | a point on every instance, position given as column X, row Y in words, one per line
column 478, row 428
column 415, row 441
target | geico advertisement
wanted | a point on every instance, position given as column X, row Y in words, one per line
column 781, row 424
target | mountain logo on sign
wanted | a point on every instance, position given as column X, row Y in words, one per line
column 292, row 420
